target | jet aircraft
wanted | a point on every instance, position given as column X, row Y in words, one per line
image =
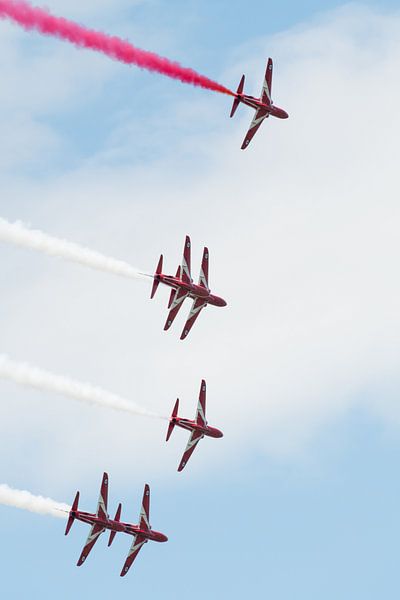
column 198, row 428
column 101, row 521
column 183, row 287
column 263, row 106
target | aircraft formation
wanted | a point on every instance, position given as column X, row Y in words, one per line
column 100, row 522
column 182, row 288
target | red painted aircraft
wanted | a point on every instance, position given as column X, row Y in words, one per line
column 263, row 106
column 198, row 428
column 101, row 521
column 183, row 287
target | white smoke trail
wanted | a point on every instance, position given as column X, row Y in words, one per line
column 40, row 379
column 36, row 504
column 21, row 235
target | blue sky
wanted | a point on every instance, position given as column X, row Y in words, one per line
column 299, row 499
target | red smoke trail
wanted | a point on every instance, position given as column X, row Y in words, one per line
column 38, row 19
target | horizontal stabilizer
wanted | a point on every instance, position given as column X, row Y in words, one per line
column 236, row 101
column 71, row 517
column 171, row 423
column 156, row 280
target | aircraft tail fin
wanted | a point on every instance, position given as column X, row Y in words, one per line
column 236, row 101
column 156, row 279
column 116, row 518
column 171, row 422
column 72, row 513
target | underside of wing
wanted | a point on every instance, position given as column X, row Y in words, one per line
column 186, row 269
column 103, row 499
column 177, row 302
column 137, row 544
column 259, row 117
column 267, row 84
column 203, row 279
column 93, row 536
column 201, row 407
column 194, row 439
column 197, row 307
column 144, row 516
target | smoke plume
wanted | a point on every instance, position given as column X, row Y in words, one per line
column 33, row 18
column 27, row 375
column 36, row 504
column 21, row 235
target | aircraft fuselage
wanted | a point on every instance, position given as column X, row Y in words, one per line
column 194, row 291
column 193, row 426
column 256, row 103
column 118, row 526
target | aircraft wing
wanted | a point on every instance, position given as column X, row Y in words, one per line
column 180, row 297
column 185, row 269
column 137, row 544
column 267, row 84
column 203, row 279
column 201, row 407
column 145, row 510
column 194, row 439
column 259, row 117
column 197, row 307
column 93, row 536
column 103, row 499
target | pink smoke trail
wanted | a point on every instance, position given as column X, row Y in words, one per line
column 32, row 18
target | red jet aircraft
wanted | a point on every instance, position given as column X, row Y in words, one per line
column 198, row 428
column 183, row 287
column 101, row 521
column 263, row 106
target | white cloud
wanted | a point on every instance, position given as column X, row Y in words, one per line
column 302, row 230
